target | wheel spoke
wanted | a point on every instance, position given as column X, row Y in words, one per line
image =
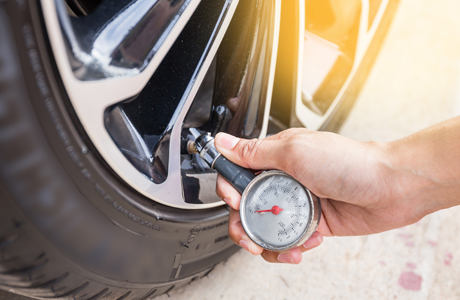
column 329, row 59
column 101, row 70
column 174, row 129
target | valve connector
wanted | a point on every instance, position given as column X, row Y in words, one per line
column 204, row 144
column 238, row 177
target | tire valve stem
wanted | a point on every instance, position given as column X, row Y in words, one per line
column 188, row 147
column 191, row 147
column 237, row 176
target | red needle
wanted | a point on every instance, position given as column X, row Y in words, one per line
column 275, row 210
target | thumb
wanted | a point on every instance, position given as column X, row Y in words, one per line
column 253, row 154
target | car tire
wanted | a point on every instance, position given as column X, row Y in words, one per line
column 69, row 227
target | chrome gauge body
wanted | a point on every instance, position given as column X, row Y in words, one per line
column 278, row 212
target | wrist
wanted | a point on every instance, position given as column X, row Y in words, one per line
column 412, row 187
column 384, row 159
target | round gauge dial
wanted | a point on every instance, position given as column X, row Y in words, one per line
column 277, row 212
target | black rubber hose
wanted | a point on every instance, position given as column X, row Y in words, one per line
column 238, row 177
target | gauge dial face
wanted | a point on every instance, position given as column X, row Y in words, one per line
column 276, row 211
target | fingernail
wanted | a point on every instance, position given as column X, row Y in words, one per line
column 245, row 245
column 285, row 258
column 226, row 141
column 313, row 241
column 226, row 200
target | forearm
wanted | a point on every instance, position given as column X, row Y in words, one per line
column 425, row 169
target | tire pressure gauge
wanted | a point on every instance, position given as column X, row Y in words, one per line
column 277, row 212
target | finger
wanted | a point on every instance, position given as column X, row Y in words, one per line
column 291, row 256
column 314, row 241
column 323, row 226
column 294, row 256
column 227, row 193
column 270, row 153
column 239, row 236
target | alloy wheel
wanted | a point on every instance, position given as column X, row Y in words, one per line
column 139, row 73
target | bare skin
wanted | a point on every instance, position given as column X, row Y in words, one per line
column 365, row 187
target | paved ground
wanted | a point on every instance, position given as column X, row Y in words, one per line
column 415, row 83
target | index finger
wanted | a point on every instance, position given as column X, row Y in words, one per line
column 227, row 193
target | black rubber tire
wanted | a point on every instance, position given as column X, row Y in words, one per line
column 69, row 227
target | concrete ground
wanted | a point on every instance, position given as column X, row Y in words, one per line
column 415, row 83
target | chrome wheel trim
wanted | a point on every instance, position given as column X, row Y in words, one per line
column 91, row 98
column 306, row 116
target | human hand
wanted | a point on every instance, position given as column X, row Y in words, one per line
column 350, row 177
